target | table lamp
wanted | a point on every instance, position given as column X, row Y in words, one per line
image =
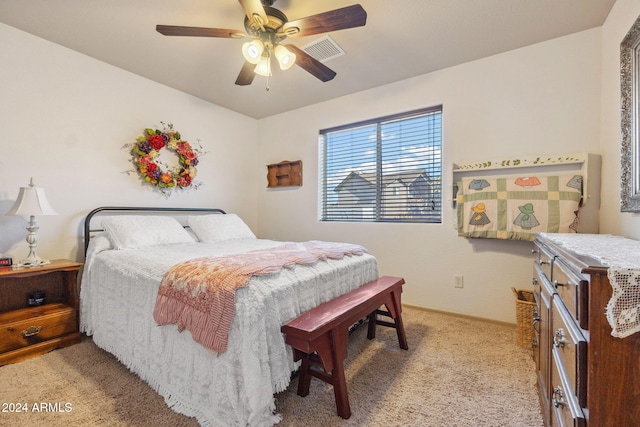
column 32, row 202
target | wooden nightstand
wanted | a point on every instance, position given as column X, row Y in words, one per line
column 30, row 331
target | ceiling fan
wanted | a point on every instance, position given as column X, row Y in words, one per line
column 269, row 27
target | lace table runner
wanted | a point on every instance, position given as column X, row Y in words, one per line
column 622, row 256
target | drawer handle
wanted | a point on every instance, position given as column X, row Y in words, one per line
column 31, row 331
column 557, row 284
column 558, row 397
column 536, row 319
column 534, row 281
column 544, row 262
column 534, row 251
column 559, row 338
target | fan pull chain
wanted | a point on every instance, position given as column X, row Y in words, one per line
column 269, row 73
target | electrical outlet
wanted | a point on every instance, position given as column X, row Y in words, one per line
column 458, row 281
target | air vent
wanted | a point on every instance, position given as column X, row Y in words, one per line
column 323, row 49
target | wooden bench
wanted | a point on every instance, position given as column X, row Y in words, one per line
column 319, row 336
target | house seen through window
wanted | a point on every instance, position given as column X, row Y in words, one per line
column 387, row 169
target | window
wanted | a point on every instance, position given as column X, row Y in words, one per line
column 383, row 170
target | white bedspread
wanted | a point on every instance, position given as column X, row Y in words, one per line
column 235, row 388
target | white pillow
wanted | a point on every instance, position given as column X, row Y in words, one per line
column 98, row 243
column 134, row 231
column 217, row 228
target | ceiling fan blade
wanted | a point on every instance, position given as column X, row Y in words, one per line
column 255, row 12
column 246, row 74
column 176, row 30
column 310, row 64
column 338, row 19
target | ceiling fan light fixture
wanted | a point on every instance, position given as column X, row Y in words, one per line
column 252, row 51
column 285, row 57
column 263, row 68
column 267, row 27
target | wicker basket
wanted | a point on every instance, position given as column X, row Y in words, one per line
column 525, row 303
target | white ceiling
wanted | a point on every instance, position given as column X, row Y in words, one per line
column 402, row 39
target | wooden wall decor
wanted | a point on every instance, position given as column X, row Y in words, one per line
column 284, row 174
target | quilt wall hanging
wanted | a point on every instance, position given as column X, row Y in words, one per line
column 518, row 207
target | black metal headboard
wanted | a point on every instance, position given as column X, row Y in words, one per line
column 127, row 209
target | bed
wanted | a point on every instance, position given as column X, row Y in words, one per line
column 129, row 250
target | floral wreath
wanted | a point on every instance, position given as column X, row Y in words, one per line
column 145, row 153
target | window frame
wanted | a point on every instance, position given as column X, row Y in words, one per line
column 323, row 205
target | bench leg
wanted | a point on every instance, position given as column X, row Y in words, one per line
column 304, row 378
column 395, row 308
column 331, row 350
column 394, row 311
column 339, row 341
column 373, row 321
column 402, row 337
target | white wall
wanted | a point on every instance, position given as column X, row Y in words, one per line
column 542, row 99
column 612, row 221
column 63, row 120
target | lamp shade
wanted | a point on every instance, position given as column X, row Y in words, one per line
column 31, row 201
column 252, row 51
column 264, row 67
column 285, row 57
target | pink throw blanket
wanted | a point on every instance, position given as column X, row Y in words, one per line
column 199, row 294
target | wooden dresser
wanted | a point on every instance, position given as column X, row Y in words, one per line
column 586, row 377
column 27, row 331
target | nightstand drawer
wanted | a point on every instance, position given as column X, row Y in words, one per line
column 33, row 325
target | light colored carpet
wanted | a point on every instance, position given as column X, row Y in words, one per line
column 457, row 372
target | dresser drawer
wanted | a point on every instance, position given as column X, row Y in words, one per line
column 571, row 348
column 28, row 326
column 543, row 258
column 565, row 409
column 572, row 289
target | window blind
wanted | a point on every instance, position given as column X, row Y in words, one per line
column 387, row 169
